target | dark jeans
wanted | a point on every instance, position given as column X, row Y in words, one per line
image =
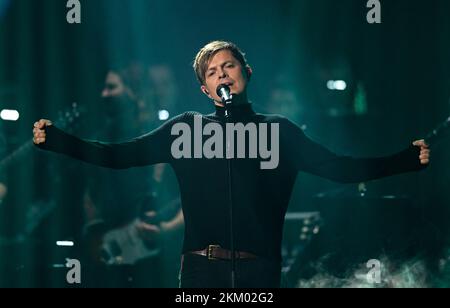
column 199, row 272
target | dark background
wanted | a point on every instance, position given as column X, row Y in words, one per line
column 398, row 69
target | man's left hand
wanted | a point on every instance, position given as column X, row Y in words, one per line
column 424, row 156
column 147, row 231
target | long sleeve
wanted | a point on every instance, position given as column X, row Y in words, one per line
column 308, row 156
column 148, row 149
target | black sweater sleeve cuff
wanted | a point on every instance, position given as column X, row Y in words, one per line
column 55, row 139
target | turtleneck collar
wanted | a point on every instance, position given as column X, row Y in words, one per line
column 237, row 111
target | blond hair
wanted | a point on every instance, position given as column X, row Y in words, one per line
column 205, row 54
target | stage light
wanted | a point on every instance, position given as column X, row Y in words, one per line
column 330, row 85
column 64, row 243
column 163, row 115
column 9, row 115
column 340, row 85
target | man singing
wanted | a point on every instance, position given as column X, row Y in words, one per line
column 230, row 203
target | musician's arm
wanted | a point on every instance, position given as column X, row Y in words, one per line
column 148, row 149
column 309, row 156
column 174, row 224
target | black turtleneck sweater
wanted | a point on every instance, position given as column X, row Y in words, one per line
column 260, row 197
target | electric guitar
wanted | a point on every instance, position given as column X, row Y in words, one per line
column 125, row 245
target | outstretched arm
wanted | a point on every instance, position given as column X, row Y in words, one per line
column 148, row 149
column 307, row 155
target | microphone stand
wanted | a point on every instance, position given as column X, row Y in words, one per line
column 223, row 91
column 228, row 118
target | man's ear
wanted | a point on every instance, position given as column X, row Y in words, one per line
column 249, row 72
column 205, row 91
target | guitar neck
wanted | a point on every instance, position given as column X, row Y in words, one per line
column 439, row 133
column 16, row 154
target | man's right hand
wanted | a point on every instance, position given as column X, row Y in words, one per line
column 39, row 133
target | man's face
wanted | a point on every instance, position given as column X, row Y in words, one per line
column 224, row 68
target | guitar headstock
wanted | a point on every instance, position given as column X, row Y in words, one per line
column 439, row 133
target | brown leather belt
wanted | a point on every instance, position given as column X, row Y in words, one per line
column 215, row 252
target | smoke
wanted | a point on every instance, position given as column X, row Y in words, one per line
column 414, row 273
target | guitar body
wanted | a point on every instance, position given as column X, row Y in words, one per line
column 124, row 246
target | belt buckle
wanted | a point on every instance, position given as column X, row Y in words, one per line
column 210, row 248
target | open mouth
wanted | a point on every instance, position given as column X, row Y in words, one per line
column 227, row 83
